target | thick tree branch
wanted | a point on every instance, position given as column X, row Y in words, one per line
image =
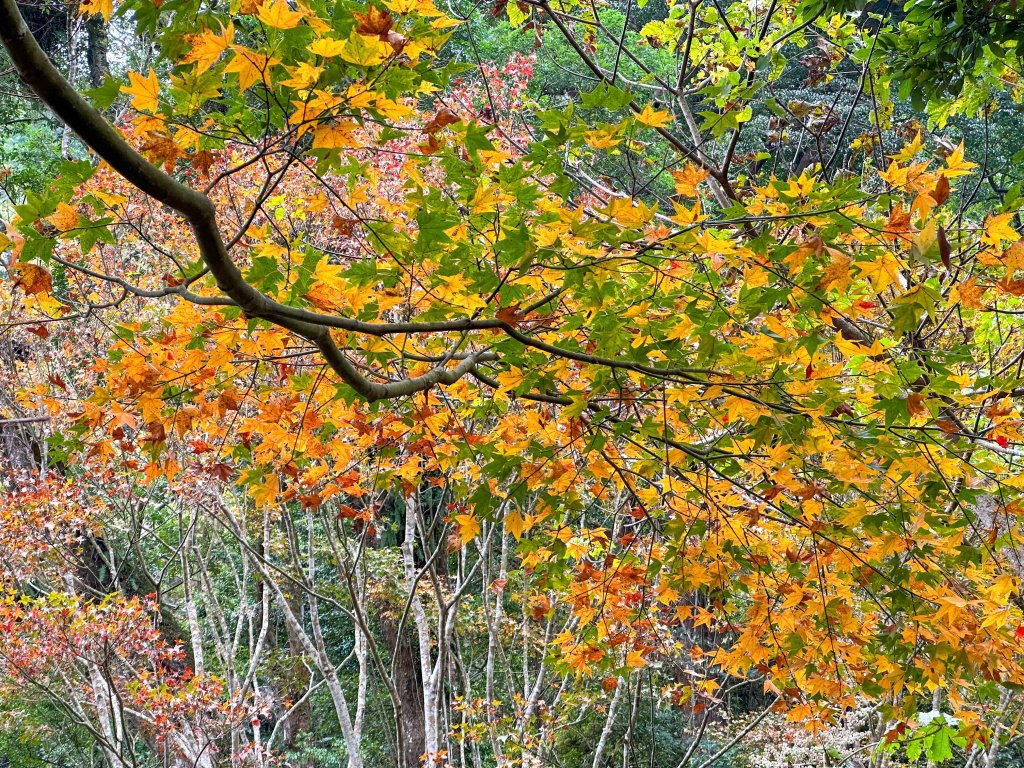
column 46, row 81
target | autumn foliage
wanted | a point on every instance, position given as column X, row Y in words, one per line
column 742, row 429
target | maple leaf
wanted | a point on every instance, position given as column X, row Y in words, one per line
column 998, row 229
column 363, row 50
column 967, row 293
column 64, row 218
column 344, row 226
column 468, row 527
column 512, row 316
column 145, row 91
column 688, row 178
column 837, row 273
column 899, row 222
column 631, row 212
column 883, row 271
column 203, row 161
column 335, row 135
column 653, row 118
column 396, row 41
column 332, row 292
column 265, row 492
column 605, row 137
column 328, row 47
column 375, row 21
column 277, row 14
column 540, row 605
column 206, row 47
column 909, row 151
column 516, row 524
column 102, row 8
column 250, row 66
column 32, row 278
column 956, row 165
column 814, row 246
column 916, row 405
column 303, row 76
column 443, row 117
column 430, row 146
column 162, row 148
column 941, row 192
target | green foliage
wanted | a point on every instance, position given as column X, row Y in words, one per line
column 946, row 49
column 29, row 156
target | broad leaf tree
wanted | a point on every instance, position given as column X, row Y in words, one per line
column 366, row 380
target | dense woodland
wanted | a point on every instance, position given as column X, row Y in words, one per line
column 517, row 383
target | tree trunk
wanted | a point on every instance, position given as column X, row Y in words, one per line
column 96, row 50
column 410, row 688
column 299, row 719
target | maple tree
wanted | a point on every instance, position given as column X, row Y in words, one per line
column 364, row 370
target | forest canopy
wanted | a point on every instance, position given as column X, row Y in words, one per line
column 572, row 383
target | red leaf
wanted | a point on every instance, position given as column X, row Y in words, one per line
column 444, row 117
column 941, row 192
column 945, row 249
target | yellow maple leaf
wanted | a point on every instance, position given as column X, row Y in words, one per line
column 277, row 14
column 468, row 527
column 755, row 277
column 687, row 178
column 250, row 66
column 488, row 198
column 266, row 492
column 335, row 135
column 629, row 212
column 909, row 151
column 422, row 7
column 393, row 110
column 328, row 47
column 635, row 660
column 145, row 91
column 317, row 24
column 303, row 76
column 998, row 229
column 604, row 137
column 516, row 524
column 895, row 175
column 64, row 218
column 882, row 272
column 956, row 165
column 454, row 290
column 685, row 216
column 102, row 8
column 837, row 273
column 652, row 118
column 207, row 46
column 445, row 21
column 511, row 378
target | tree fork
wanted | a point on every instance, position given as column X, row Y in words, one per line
column 46, row 81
